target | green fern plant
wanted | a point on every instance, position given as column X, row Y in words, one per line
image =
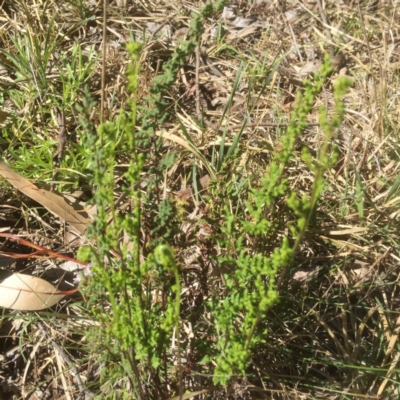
column 137, row 300
column 127, row 294
column 252, row 283
column 137, row 327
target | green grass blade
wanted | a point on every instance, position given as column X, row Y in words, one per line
column 394, row 189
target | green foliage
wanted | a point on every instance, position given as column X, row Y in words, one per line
column 137, row 329
column 252, row 282
column 138, row 326
column 75, row 72
column 153, row 112
column 183, row 293
column 32, row 55
column 47, row 77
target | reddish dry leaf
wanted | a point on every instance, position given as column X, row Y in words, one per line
column 28, row 293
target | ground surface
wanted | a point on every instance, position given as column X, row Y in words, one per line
column 334, row 333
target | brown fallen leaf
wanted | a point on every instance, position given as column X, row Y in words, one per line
column 184, row 195
column 249, row 30
column 308, row 68
column 28, row 293
column 204, row 181
column 53, row 202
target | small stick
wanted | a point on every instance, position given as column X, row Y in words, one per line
column 251, row 125
column 62, row 141
column 40, row 250
column 380, row 132
column 295, row 41
column 103, row 70
column 198, row 108
column 328, row 32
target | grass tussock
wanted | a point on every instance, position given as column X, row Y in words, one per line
column 244, row 192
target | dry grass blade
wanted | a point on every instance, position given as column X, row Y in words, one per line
column 188, row 146
column 333, row 336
